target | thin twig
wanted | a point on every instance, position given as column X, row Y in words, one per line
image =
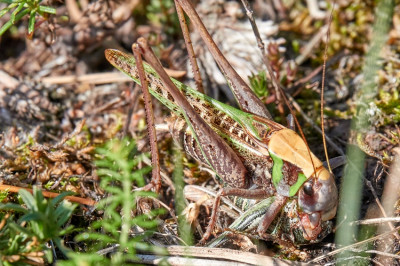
column 310, row 47
column 385, row 254
column 227, row 255
column 99, row 78
column 245, row 97
column 354, row 245
column 261, row 46
column 378, row 202
column 352, row 258
column 390, row 192
column 381, row 208
column 299, row 85
column 177, row 260
column 377, row 221
column 49, row 194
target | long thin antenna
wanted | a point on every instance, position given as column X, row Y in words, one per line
column 323, row 88
column 275, row 81
column 245, row 97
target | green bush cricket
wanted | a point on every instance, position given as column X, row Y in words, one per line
column 254, row 156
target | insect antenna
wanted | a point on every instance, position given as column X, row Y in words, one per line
column 271, row 73
column 323, row 88
column 245, row 97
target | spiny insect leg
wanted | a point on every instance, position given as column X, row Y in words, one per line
column 240, row 192
column 271, row 213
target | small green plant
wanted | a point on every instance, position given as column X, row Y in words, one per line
column 21, row 8
column 258, row 83
column 3, row 195
column 162, row 13
column 42, row 221
column 118, row 172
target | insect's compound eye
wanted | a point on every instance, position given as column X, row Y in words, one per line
column 319, row 195
column 308, row 189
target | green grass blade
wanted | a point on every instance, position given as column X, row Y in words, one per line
column 28, row 199
column 8, row 24
column 13, row 207
column 15, row 12
column 60, row 197
column 7, row 9
column 351, row 187
column 184, row 228
column 47, row 9
column 31, row 25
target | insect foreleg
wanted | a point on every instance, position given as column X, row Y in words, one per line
column 268, row 211
column 239, row 192
column 247, row 222
column 246, row 193
column 271, row 213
